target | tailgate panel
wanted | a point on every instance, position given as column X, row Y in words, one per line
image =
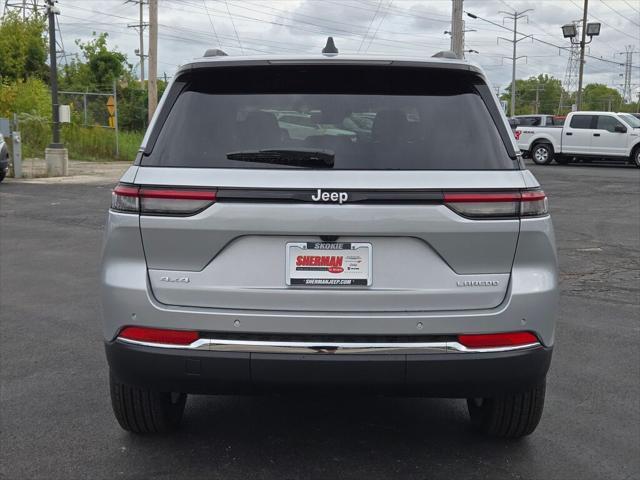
column 250, row 273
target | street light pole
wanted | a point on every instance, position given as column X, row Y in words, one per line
column 55, row 155
column 582, row 45
column 55, row 111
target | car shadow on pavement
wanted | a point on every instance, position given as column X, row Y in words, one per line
column 291, row 436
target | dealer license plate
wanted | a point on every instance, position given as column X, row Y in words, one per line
column 328, row 264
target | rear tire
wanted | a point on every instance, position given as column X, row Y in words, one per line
column 635, row 156
column 511, row 415
column 542, row 153
column 140, row 410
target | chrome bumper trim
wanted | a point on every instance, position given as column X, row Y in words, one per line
column 328, row 348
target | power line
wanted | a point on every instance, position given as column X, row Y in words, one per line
column 234, row 26
column 323, row 29
column 373, row 19
column 213, row 27
column 618, row 13
column 631, row 7
column 384, row 15
column 544, row 42
column 605, row 23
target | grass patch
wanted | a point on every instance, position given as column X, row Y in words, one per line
column 83, row 143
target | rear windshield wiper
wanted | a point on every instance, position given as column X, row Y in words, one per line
column 301, row 157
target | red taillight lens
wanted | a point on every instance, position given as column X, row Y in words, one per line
column 159, row 335
column 517, row 134
column 124, row 198
column 534, row 203
column 480, row 205
column 495, row 340
column 174, row 201
column 161, row 201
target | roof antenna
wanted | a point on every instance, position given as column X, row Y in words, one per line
column 330, row 49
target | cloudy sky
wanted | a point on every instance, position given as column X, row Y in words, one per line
column 397, row 27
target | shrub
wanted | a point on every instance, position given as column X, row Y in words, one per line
column 83, row 143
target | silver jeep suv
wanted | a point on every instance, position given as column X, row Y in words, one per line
column 329, row 224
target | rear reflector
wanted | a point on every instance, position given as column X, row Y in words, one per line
column 161, row 201
column 159, row 335
column 517, row 134
column 478, row 205
column 494, row 340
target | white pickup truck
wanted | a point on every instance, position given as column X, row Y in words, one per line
column 585, row 135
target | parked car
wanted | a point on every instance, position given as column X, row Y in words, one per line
column 540, row 120
column 4, row 158
column 513, row 122
column 418, row 261
column 300, row 126
column 585, row 135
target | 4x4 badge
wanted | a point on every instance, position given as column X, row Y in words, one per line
column 175, row 279
column 321, row 196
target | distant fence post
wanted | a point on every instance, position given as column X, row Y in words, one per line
column 84, row 106
column 115, row 105
column 16, row 148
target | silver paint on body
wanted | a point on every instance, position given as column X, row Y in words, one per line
column 434, row 272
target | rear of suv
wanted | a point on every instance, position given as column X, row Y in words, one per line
column 398, row 246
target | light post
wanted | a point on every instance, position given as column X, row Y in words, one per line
column 570, row 31
column 56, row 156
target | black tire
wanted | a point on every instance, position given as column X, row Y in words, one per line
column 510, row 415
column 542, row 153
column 140, row 410
column 635, row 156
column 3, row 173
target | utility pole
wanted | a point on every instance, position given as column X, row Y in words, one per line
column 582, row 45
column 55, row 111
column 140, row 26
column 627, row 95
column 56, row 157
column 457, row 28
column 514, row 16
column 152, row 84
column 539, row 88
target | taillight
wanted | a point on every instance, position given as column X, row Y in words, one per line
column 533, row 204
column 479, row 205
column 496, row 340
column 161, row 201
column 517, row 134
column 124, row 198
column 159, row 335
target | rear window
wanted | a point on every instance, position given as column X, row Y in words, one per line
column 369, row 118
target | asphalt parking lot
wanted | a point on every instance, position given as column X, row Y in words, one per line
column 55, row 413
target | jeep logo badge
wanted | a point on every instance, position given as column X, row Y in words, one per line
column 321, row 196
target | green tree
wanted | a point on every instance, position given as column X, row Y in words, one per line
column 597, row 96
column 96, row 67
column 549, row 90
column 30, row 96
column 23, row 48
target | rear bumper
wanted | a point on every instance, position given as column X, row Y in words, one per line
column 454, row 375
